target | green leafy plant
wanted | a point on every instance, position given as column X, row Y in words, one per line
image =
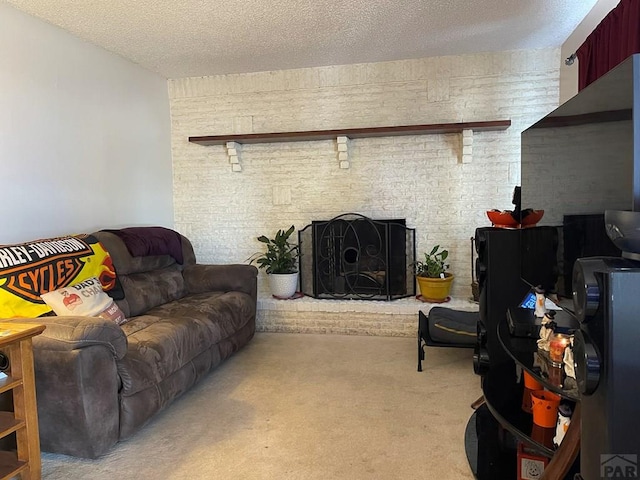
column 434, row 265
column 281, row 255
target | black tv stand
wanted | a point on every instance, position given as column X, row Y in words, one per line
column 503, row 399
column 502, row 289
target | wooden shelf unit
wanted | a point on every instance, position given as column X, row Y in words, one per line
column 430, row 128
column 16, row 344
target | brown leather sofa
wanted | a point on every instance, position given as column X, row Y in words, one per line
column 98, row 383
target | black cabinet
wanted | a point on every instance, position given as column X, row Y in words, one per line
column 503, row 390
column 501, row 424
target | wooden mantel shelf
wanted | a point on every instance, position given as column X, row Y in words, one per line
column 352, row 133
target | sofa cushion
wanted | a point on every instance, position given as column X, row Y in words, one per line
column 149, row 289
column 453, row 326
column 171, row 335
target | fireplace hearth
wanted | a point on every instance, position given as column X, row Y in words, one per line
column 355, row 257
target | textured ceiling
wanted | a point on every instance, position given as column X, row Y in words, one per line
column 182, row 38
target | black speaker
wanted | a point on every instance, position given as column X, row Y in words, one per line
column 584, row 236
column 608, row 365
column 498, row 267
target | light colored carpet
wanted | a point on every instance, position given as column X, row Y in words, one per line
column 300, row 406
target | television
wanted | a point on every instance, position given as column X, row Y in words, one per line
column 577, row 162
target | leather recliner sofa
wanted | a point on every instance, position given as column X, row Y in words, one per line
column 98, row 382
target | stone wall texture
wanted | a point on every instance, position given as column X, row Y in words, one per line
column 421, row 178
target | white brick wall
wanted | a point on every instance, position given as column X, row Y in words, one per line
column 307, row 315
column 420, row 178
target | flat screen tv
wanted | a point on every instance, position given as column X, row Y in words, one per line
column 577, row 162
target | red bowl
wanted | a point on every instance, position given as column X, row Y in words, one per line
column 534, row 217
column 502, row 218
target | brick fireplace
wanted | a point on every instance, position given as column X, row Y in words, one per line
column 423, row 179
column 347, row 317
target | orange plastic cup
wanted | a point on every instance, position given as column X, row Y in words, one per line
column 526, row 400
column 531, row 383
column 545, row 408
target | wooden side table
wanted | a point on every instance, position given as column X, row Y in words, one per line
column 16, row 345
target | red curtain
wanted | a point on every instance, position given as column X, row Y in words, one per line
column 617, row 37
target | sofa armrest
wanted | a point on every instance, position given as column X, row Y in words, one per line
column 77, row 383
column 222, row 278
column 66, row 333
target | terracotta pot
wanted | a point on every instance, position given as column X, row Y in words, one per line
column 435, row 290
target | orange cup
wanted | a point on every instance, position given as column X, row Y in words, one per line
column 530, row 382
column 545, row 408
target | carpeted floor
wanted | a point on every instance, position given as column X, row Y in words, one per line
column 296, row 406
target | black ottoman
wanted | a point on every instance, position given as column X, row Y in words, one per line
column 445, row 327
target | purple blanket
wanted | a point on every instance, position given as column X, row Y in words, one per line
column 141, row 241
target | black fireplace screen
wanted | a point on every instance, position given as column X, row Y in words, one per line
column 355, row 257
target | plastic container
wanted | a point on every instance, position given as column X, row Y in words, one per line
column 545, row 408
column 531, row 383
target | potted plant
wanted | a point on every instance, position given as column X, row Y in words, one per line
column 280, row 261
column 432, row 276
